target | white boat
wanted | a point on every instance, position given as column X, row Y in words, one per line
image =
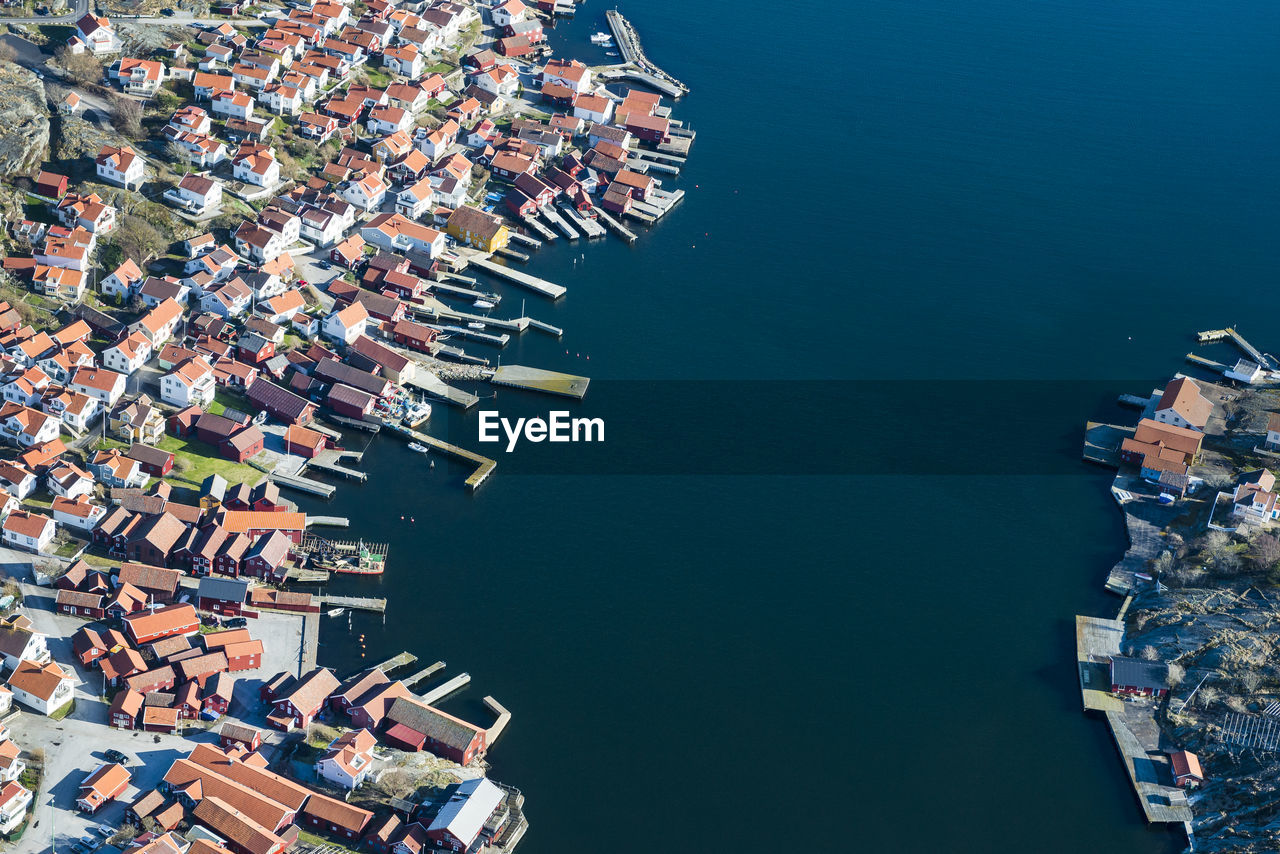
column 483, row 303
column 475, row 324
column 610, row 53
column 601, row 38
column 418, row 448
column 333, row 612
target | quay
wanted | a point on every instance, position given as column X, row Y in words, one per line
column 353, row 423
column 1102, row 443
column 329, row 521
column 514, row 254
column 533, row 283
column 615, row 226
column 1096, row 641
column 436, row 313
column 446, row 289
column 308, row 576
column 545, row 327
column 355, row 603
column 588, row 226
column 304, row 484
column 430, row 670
column 636, row 63
column 658, row 156
column 537, row 379
column 560, row 222
column 441, row 691
column 504, row 718
column 642, row 166
column 1207, row 363
column 1133, row 400
column 474, row 334
column 484, row 465
column 328, row 462
column 395, row 662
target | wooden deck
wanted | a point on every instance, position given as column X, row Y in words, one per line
column 1096, row 641
column 1147, row 766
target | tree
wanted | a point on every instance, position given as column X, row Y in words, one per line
column 126, row 116
column 1264, row 551
column 1176, row 674
column 82, row 67
column 139, row 239
column 167, row 101
column 397, row 783
column 8, row 56
column 1149, row 653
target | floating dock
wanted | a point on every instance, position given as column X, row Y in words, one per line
column 430, row 670
column 355, row 603
column 504, row 718
column 441, row 691
column 328, row 521
column 533, row 283
column 560, row 222
column 395, row 662
column 615, row 226
column 589, row 227
column 484, row 465
column 537, row 379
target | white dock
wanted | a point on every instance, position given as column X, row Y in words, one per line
column 533, row 283
column 441, row 691
column 504, row 718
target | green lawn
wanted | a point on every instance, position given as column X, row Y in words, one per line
column 59, row 714
column 439, row 68
column 197, row 461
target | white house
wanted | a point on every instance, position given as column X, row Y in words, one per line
column 436, row 142
column 570, row 73
column 387, row 120
column 124, row 281
column 1182, row 405
column 104, row 386
column 69, row 480
column 190, row 383
column 121, row 165
column 96, row 35
column 256, row 164
column 138, row 76
column 510, row 12
column 25, row 426
column 113, row 468
column 366, row 194
column 16, row 479
column 19, row 643
column 15, row 800
column 159, row 323
column 43, row 688
column 234, row 105
column 78, row 513
column 593, row 108
column 348, row 760
column 346, row 325
column 128, row 354
column 395, row 233
column 28, row 531
column 230, row 300
column 415, row 201
column 197, row 194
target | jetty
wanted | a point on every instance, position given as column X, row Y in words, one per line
column 353, row 423
column 1096, row 641
column 538, row 379
column 436, row 387
column 1202, row 362
column 473, row 334
column 541, row 228
column 303, row 484
column 328, row 522
column 504, row 718
column 1210, row 336
column 514, row 254
column 615, row 226
column 526, row 240
column 533, row 283
column 355, row 603
column 589, row 227
column 395, row 662
column 560, row 222
column 328, row 461
column 484, row 465
column 430, row 670
column 443, row 690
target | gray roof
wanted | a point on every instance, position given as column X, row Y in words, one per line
column 432, row 723
column 215, row 486
column 226, row 589
column 1139, row 674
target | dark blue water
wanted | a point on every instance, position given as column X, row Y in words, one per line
column 878, row 659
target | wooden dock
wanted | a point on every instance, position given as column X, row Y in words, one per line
column 327, row 461
column 436, row 387
column 1161, row 804
column 304, row 484
column 441, row 691
column 540, row 227
column 589, row 227
column 395, row 662
column 504, row 718
column 484, row 465
column 424, row 673
column 1208, row 363
column 615, row 226
column 328, row 522
column 550, row 214
column 537, row 379
column 355, row 603
column 526, row 240
column 533, row 283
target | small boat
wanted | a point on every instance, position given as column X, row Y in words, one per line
column 475, row 324
column 333, row 612
column 610, row 53
column 418, row 448
column 1142, row 576
column 483, row 303
column 1166, row 498
column 601, row 38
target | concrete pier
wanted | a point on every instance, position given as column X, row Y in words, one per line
column 545, row 327
column 560, row 222
column 430, row 670
column 476, row 335
column 537, row 379
column 356, row 603
column 328, row 522
column 484, row 465
column 504, row 718
column 441, row 691
column 541, row 228
column 615, row 226
column 327, row 461
column 514, row 254
column 446, row 289
column 526, row 240
column 438, row 388
column 533, row 283
column 395, row 662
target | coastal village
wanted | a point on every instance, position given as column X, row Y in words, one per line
column 273, row 239
column 1185, row 674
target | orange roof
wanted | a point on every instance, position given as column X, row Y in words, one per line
column 243, row 521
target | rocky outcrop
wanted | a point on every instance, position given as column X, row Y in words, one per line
column 24, row 120
column 78, row 137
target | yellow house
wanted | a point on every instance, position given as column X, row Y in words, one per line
column 477, row 229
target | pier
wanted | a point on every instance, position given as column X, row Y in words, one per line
column 430, row 670
column 1211, row 335
column 304, row 484
column 328, row 521
column 541, row 228
column 447, row 289
column 504, row 718
column 589, row 227
column 638, row 164
column 438, row 388
column 533, row 283
column 526, row 240
column 545, row 327
column 355, row 603
column 628, row 41
column 328, row 462
column 1207, row 363
column 559, row 222
column 537, row 379
column 395, row 662
column 514, row 254
column 353, row 423
column 441, row 691
column 484, row 465
column 475, row 335
column 615, row 226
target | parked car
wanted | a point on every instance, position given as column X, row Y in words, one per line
column 106, row 830
column 168, row 13
column 89, row 842
column 236, row 623
column 117, row 757
column 325, row 265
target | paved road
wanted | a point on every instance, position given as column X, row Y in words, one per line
column 78, row 8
